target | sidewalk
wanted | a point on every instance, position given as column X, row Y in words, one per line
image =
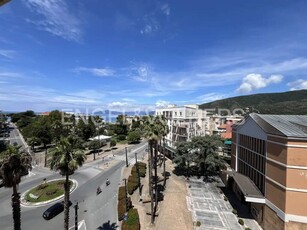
column 173, row 213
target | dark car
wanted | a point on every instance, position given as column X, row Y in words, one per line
column 54, row 210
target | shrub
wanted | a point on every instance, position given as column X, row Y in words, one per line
column 121, row 193
column 133, row 221
column 51, row 192
column 121, row 208
column 234, row 211
column 198, row 223
column 42, row 186
column 247, row 229
column 225, row 198
column 241, row 221
column 121, row 137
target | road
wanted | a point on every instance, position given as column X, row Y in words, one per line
column 94, row 210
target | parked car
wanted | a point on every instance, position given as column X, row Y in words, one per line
column 54, row 210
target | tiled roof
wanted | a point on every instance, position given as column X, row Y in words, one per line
column 226, row 135
column 282, row 125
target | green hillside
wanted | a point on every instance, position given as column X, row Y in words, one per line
column 292, row 102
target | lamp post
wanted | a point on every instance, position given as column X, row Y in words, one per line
column 76, row 216
column 138, row 173
column 126, row 157
column 126, row 194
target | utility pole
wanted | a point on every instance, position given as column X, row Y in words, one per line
column 138, row 173
column 164, row 159
column 126, row 195
column 126, row 157
column 76, row 216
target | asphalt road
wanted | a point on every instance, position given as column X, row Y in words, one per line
column 94, row 210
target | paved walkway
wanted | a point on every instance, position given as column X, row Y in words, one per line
column 207, row 204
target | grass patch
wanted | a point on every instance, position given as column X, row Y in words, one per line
column 47, row 191
column 133, row 221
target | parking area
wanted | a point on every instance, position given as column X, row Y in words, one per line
column 207, row 204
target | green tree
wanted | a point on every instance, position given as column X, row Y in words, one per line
column 154, row 129
column 66, row 157
column 16, row 165
column 202, row 151
column 112, row 143
column 133, row 136
column 42, row 131
column 85, row 129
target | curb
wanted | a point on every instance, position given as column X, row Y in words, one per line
column 39, row 204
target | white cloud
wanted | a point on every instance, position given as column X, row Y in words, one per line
column 140, row 72
column 256, row 81
column 57, row 18
column 161, row 103
column 166, row 9
column 210, row 97
column 117, row 104
column 10, row 75
column 10, row 54
column 298, row 84
column 149, row 24
column 101, row 72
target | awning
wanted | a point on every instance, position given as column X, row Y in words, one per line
column 170, row 149
column 227, row 142
column 248, row 188
column 101, row 137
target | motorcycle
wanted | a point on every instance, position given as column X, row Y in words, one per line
column 98, row 191
column 107, row 182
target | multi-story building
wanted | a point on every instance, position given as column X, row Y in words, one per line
column 269, row 162
column 184, row 122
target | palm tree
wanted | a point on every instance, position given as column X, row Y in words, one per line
column 66, row 157
column 15, row 165
column 154, row 129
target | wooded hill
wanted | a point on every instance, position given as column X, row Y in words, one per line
column 292, row 102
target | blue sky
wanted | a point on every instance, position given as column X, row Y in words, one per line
column 98, row 54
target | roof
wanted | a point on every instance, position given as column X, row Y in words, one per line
column 223, row 126
column 282, row 125
column 246, row 185
column 226, row 135
column 101, row 137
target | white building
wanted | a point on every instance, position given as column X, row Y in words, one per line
column 187, row 121
column 184, row 122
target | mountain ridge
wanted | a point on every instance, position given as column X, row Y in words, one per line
column 288, row 103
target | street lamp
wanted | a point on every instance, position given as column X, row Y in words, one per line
column 76, row 215
column 138, row 173
column 126, row 157
column 126, row 194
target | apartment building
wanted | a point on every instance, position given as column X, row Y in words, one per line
column 184, row 122
column 269, row 162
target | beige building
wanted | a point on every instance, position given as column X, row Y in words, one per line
column 269, row 162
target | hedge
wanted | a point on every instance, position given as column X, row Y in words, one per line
column 133, row 221
column 121, row 192
column 133, row 183
column 121, row 207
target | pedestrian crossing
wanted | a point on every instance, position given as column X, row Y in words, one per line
column 131, row 160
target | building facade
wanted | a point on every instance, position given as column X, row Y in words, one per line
column 184, row 122
column 269, row 160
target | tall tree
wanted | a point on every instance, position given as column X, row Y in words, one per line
column 66, row 157
column 154, row 128
column 202, row 151
column 14, row 166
